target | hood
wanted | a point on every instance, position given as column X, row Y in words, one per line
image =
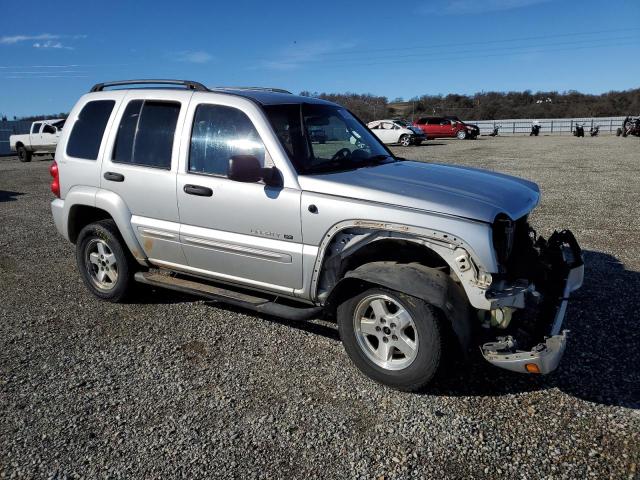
column 451, row 190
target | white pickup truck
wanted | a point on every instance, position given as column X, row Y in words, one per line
column 42, row 139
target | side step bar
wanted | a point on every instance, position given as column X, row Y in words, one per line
column 231, row 297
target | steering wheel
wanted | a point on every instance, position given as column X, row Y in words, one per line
column 343, row 154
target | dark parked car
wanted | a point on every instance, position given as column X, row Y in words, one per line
column 318, row 135
column 446, row 127
column 472, row 130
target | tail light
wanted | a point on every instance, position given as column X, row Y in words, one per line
column 55, row 183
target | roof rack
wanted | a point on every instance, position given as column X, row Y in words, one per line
column 261, row 89
column 99, row 87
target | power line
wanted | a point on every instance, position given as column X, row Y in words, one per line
column 504, row 54
column 497, row 50
column 302, row 57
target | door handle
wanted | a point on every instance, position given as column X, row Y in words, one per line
column 198, row 190
column 114, row 177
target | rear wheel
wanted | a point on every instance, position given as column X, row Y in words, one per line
column 392, row 337
column 461, row 135
column 23, row 154
column 405, row 140
column 104, row 261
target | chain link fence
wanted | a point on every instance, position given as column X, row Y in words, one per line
column 9, row 128
column 548, row 126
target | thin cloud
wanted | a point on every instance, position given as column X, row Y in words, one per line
column 469, row 7
column 193, row 57
column 52, row 44
column 27, row 38
column 299, row 54
column 43, row 40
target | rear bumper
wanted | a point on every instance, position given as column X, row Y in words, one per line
column 59, row 216
column 544, row 357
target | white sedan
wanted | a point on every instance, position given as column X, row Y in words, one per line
column 397, row 131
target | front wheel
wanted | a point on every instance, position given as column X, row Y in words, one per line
column 405, row 140
column 393, row 338
column 24, row 155
column 104, row 261
column 461, row 135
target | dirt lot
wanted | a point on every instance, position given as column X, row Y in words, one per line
column 171, row 386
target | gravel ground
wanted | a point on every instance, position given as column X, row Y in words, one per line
column 170, row 386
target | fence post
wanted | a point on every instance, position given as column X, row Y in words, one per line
column 610, row 125
column 514, row 128
column 551, row 126
column 571, row 127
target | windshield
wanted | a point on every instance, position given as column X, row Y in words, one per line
column 324, row 138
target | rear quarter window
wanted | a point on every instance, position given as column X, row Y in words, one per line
column 88, row 130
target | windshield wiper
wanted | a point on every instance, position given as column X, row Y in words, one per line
column 348, row 164
column 331, row 166
column 376, row 160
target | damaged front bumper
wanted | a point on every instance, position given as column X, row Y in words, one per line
column 545, row 356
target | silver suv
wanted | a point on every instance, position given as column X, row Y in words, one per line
column 224, row 193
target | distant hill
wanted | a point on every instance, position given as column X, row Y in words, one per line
column 492, row 105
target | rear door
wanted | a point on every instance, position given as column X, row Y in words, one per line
column 243, row 233
column 34, row 135
column 140, row 166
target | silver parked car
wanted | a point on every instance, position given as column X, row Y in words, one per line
column 397, row 131
column 223, row 193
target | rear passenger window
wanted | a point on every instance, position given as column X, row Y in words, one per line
column 145, row 135
column 220, row 132
column 88, row 129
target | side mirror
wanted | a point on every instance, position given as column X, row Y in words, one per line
column 247, row 169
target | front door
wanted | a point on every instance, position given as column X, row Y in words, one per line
column 49, row 138
column 243, row 233
column 387, row 133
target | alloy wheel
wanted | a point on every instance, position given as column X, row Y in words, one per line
column 101, row 264
column 385, row 332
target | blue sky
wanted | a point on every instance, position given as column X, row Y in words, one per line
column 52, row 52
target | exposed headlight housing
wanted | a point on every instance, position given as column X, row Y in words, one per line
column 503, row 235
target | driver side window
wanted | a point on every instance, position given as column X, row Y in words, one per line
column 220, row 132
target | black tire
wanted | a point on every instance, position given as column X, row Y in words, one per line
column 405, row 141
column 107, row 232
column 618, row 132
column 24, row 155
column 461, row 135
column 426, row 363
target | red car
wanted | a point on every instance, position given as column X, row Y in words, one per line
column 446, row 127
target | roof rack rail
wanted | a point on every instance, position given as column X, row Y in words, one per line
column 262, row 89
column 99, row 87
